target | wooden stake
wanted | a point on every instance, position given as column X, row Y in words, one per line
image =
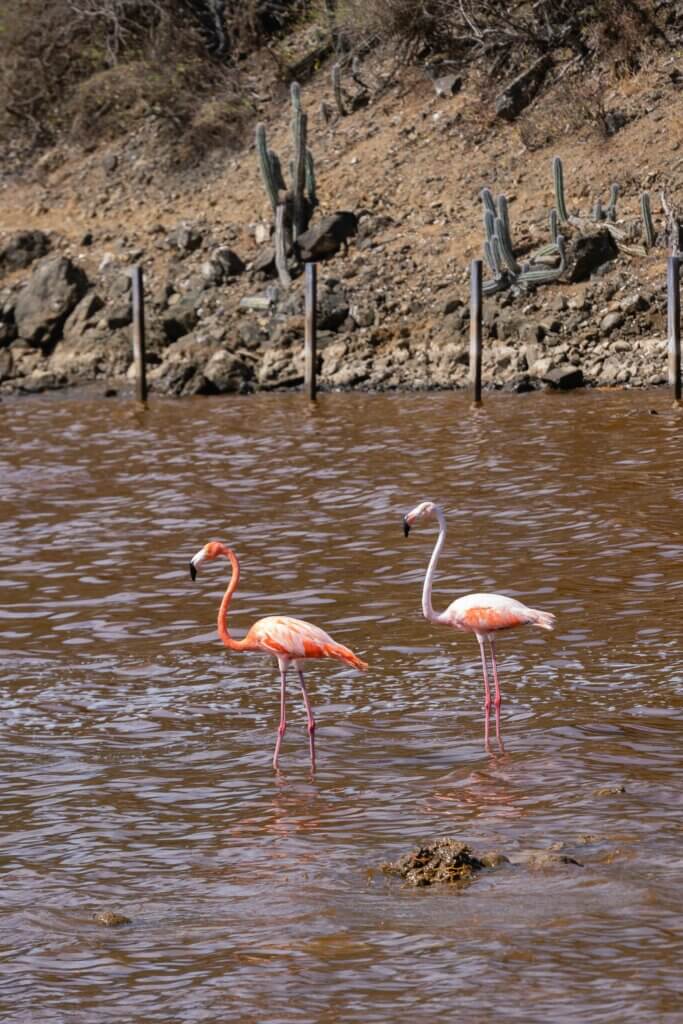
column 476, row 270
column 310, row 385
column 673, row 287
column 139, row 334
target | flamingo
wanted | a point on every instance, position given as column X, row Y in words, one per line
column 481, row 614
column 286, row 638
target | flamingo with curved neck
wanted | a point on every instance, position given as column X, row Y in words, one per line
column 481, row 614
column 286, row 638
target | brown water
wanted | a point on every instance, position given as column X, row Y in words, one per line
column 135, row 757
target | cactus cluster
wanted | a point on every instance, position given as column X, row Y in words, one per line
column 628, row 236
column 499, row 253
column 292, row 208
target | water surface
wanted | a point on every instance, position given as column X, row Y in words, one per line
column 135, row 757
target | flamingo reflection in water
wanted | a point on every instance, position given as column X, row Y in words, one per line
column 287, row 639
column 481, row 614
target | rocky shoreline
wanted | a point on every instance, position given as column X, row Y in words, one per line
column 216, row 322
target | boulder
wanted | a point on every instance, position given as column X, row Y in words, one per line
column 6, row 364
column 521, row 91
column 185, row 238
column 227, row 372
column 96, row 353
column 84, row 316
column 181, row 371
column 564, row 377
column 53, row 290
column 587, row 252
column 179, row 319
column 22, row 249
column 326, row 238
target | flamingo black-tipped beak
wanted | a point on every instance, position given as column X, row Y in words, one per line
column 406, row 526
column 193, row 572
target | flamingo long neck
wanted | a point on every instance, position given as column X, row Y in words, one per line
column 427, row 609
column 234, row 645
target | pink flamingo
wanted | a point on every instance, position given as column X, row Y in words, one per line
column 286, row 638
column 481, row 614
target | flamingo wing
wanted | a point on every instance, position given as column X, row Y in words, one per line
column 295, row 638
column 288, row 637
column 486, row 613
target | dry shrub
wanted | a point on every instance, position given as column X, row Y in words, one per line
column 88, row 68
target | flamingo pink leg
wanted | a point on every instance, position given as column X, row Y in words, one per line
column 487, row 692
column 309, row 718
column 283, row 715
column 492, row 644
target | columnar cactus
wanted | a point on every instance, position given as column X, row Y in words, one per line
column 336, row 86
column 499, row 254
column 558, row 176
column 648, row 223
column 298, row 203
column 611, row 210
column 266, row 163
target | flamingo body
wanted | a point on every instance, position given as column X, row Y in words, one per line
column 487, row 613
column 288, row 639
column 481, row 614
column 296, row 639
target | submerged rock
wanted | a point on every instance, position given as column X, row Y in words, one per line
column 442, row 860
column 110, row 918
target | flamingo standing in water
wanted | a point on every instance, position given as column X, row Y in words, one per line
column 481, row 614
column 286, row 638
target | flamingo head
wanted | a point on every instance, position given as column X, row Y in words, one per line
column 425, row 510
column 211, row 550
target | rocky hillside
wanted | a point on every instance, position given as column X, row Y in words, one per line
column 409, row 159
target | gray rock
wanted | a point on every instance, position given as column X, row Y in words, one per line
column 179, row 319
column 185, row 238
column 92, row 355
column 53, row 290
column 265, row 262
column 326, row 238
column 84, row 316
column 564, row 377
column 109, row 163
column 6, row 364
column 586, row 253
column 611, row 321
column 447, row 85
column 226, row 372
column 181, row 371
column 22, row 249
column 521, row 91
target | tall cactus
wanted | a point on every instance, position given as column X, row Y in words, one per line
column 558, row 177
column 611, row 210
column 299, row 121
column 293, row 208
column 268, row 172
column 336, row 86
column 544, row 275
column 648, row 223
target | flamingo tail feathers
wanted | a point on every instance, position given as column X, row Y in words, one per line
column 546, row 620
column 333, row 650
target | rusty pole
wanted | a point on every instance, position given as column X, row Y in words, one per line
column 476, row 270
column 139, row 334
column 310, row 385
column 673, row 288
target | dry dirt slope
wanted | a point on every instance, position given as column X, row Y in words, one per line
column 415, row 162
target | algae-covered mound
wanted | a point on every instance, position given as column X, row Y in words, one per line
column 443, row 860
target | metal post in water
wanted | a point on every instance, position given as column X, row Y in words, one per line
column 476, row 271
column 673, row 288
column 310, row 385
column 139, row 334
